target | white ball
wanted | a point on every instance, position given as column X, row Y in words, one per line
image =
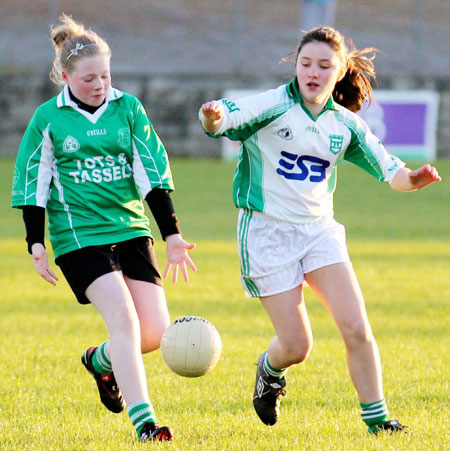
column 191, row 346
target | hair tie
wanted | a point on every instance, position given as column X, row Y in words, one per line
column 78, row 47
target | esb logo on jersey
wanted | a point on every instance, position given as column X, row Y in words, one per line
column 291, row 163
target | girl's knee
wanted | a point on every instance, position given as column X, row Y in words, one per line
column 302, row 353
column 151, row 338
column 124, row 321
column 150, row 344
column 298, row 352
column 357, row 334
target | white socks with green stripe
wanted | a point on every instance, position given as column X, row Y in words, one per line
column 101, row 361
column 374, row 414
column 141, row 412
column 271, row 371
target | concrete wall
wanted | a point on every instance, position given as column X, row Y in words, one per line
column 172, row 102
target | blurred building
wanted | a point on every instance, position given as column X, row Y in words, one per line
column 176, row 53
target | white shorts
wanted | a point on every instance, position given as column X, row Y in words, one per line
column 275, row 255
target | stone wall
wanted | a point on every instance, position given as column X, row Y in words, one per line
column 172, row 103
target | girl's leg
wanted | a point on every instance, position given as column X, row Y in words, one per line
column 111, row 296
column 291, row 345
column 150, row 304
column 338, row 289
column 293, row 341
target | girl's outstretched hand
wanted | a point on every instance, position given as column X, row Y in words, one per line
column 40, row 261
column 177, row 257
column 424, row 176
column 212, row 111
column 212, row 115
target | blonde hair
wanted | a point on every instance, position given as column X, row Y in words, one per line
column 355, row 87
column 72, row 41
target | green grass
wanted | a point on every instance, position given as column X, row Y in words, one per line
column 400, row 248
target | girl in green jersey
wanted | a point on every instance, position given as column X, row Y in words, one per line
column 292, row 138
column 89, row 156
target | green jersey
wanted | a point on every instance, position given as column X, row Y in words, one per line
column 90, row 171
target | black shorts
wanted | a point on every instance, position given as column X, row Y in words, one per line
column 135, row 258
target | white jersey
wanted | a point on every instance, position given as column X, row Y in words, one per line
column 288, row 159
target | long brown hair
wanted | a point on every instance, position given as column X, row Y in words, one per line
column 66, row 37
column 355, row 87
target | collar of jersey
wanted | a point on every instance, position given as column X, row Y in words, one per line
column 294, row 94
column 65, row 100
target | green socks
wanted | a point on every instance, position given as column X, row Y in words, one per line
column 141, row 412
column 374, row 414
column 271, row 370
column 101, row 361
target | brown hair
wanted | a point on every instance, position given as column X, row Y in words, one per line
column 355, row 87
column 72, row 41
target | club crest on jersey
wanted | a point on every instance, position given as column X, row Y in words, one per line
column 286, row 133
column 124, row 139
column 336, row 142
column 70, row 144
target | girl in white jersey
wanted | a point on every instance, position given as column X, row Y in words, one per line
column 291, row 139
column 89, row 156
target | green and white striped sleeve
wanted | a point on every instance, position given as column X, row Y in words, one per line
column 244, row 117
column 368, row 152
column 33, row 169
column 151, row 167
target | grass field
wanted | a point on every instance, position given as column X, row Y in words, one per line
column 400, row 247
